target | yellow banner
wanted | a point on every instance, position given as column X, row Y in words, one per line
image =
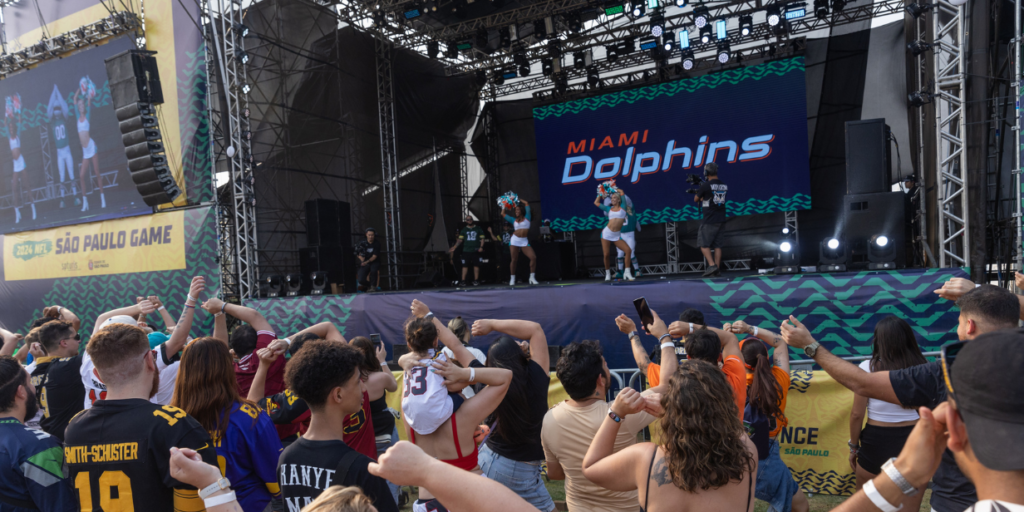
column 136, row 244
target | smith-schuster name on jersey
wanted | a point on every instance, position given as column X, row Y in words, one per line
column 118, row 455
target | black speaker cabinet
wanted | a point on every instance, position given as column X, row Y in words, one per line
column 868, row 159
column 328, row 223
column 338, row 262
column 867, row 215
column 134, row 78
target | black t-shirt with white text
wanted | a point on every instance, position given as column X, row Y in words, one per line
column 712, row 200
column 924, row 386
column 61, row 395
column 307, row 468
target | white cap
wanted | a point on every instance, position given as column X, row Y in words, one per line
column 120, row 319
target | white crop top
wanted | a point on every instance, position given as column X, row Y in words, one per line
column 880, row 410
column 15, row 143
column 525, row 224
column 83, row 124
column 621, row 214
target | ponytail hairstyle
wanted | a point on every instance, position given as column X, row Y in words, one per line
column 370, row 363
column 421, row 334
column 459, row 328
column 765, row 393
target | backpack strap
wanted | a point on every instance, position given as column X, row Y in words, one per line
column 346, row 462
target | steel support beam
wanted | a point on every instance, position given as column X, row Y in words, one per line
column 1019, row 234
column 389, row 160
column 671, row 248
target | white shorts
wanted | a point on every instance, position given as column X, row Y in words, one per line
column 519, row 241
column 19, row 164
column 89, row 151
column 611, row 236
column 630, row 239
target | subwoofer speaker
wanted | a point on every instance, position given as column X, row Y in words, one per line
column 868, row 159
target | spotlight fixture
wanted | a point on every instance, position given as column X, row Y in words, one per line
column 919, row 98
column 687, row 61
column 414, row 11
column 539, row 30
column 746, row 25
column 593, row 78
column 785, row 231
column 241, row 56
column 684, row 39
column 579, row 60
column 433, row 48
column 246, row 88
column 614, row 10
column 881, row 253
column 838, row 6
column 701, row 16
column 628, row 46
column 482, row 38
column 505, row 36
column 648, row 43
column 611, row 52
column 509, row 73
column 575, row 22
column 498, row 78
column 832, row 255
column 918, row 47
column 520, row 59
column 724, row 53
column 773, row 15
column 379, row 19
column 524, row 70
column 318, row 280
column 239, row 30
column 821, row 9
column 787, row 257
column 547, row 67
column 680, row 3
column 481, row 78
column 294, row 284
column 274, row 285
column 657, row 24
column 452, row 51
column 668, row 41
column 639, row 8
column 705, row 34
column 917, row 9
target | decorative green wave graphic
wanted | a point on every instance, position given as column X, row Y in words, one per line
column 778, row 68
column 690, row 212
column 37, row 116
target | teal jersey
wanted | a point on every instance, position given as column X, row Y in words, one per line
column 630, row 225
column 60, row 133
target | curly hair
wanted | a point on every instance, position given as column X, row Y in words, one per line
column 420, row 334
column 578, row 368
column 703, row 344
column 320, row 367
column 703, row 435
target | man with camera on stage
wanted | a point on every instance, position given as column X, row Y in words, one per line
column 711, row 196
column 369, row 253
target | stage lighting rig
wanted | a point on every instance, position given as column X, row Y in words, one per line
column 452, row 50
column 832, row 255
column 482, row 39
column 239, row 30
column 657, row 24
column 481, row 78
column 415, row 10
column 653, row 5
column 746, row 25
column 628, row 46
column 611, row 53
column 547, row 67
column 838, row 6
column 701, row 16
column 294, row 284
column 498, row 78
column 379, row 19
column 579, row 60
column 918, row 9
column 614, row 10
column 318, row 280
column 241, row 56
column 648, row 43
column 881, row 253
column 593, row 78
column 505, row 36
column 724, row 52
column 575, row 22
column 539, row 31
column 918, row 47
column 687, row 61
column 680, row 3
column 919, row 98
column 668, row 41
column 773, row 15
column 433, row 48
column 787, row 257
column 524, row 70
column 639, row 9
column 705, row 34
column 821, row 9
column 684, row 39
column 721, row 30
column 274, row 285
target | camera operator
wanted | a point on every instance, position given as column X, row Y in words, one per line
column 369, row 253
column 711, row 196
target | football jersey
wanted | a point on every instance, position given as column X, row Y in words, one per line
column 31, row 470
column 60, row 133
column 247, row 455
column 425, row 401
column 286, row 408
column 358, row 430
column 60, row 394
column 118, row 454
column 37, row 370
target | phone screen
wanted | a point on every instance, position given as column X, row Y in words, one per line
column 375, row 339
column 646, row 317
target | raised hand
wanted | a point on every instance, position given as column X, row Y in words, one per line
column 213, row 305
column 625, row 324
column 923, row 450
column 957, row 286
column 628, row 401
column 419, row 309
column 37, row 350
column 146, row 307
column 679, row 329
column 652, row 405
column 449, row 371
column 795, row 334
column 197, row 287
column 267, row 356
column 482, row 328
column 51, row 312
column 739, row 327
column 156, row 301
column 382, row 354
column 278, row 347
column 403, row 464
column 1018, row 279
column 188, row 467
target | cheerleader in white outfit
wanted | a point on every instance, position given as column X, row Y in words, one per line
column 83, row 96
column 13, row 121
column 611, row 235
column 520, row 243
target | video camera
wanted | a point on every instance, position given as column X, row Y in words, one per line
column 695, row 182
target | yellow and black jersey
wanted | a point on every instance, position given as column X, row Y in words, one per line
column 118, row 455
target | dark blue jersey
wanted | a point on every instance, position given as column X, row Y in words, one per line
column 247, row 454
column 32, row 470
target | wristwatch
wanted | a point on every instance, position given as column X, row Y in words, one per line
column 897, row 478
column 812, row 349
column 613, row 416
column 219, row 485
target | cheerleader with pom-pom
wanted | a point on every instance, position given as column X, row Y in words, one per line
column 611, row 235
column 83, row 97
column 13, row 118
column 517, row 211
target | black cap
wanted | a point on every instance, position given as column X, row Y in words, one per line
column 370, row 229
column 986, row 378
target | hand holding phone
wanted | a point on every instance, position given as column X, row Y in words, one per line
column 375, row 339
column 646, row 317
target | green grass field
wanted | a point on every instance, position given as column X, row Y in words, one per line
column 819, row 502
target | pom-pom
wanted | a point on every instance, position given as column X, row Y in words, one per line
column 508, row 201
column 607, row 188
column 87, row 86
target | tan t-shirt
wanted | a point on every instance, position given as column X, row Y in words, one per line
column 566, row 436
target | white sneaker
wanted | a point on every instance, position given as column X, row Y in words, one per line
column 85, row 203
column 513, row 281
column 33, row 211
column 627, row 275
column 533, row 280
column 607, row 275
column 103, row 201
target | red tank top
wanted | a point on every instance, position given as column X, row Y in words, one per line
column 358, row 430
column 466, row 462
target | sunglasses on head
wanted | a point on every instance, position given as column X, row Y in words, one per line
column 949, row 353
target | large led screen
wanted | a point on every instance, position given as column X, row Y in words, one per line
column 751, row 121
column 61, row 156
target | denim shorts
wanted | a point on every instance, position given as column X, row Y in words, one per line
column 522, row 477
column 775, row 482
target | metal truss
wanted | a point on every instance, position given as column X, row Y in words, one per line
column 950, row 46
column 231, row 149
column 389, row 160
column 117, row 23
column 791, row 224
column 51, row 191
column 464, row 182
column 688, row 267
column 1019, row 234
column 671, row 248
column 491, row 164
column 922, row 251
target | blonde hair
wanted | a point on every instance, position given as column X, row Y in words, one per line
column 341, row 499
column 459, row 328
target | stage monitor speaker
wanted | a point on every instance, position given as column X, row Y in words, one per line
column 868, row 159
column 432, row 278
column 328, row 223
column 867, row 215
column 135, row 92
column 338, row 262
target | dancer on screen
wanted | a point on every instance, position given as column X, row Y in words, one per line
column 517, row 212
column 83, row 97
column 13, row 117
column 611, row 235
column 57, row 112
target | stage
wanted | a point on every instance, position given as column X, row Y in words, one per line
column 841, row 309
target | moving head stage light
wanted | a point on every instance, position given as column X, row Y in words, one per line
column 832, row 255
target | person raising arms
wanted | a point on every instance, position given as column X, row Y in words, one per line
column 611, row 235
column 520, row 219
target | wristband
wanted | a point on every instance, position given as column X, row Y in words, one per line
column 215, row 315
column 630, row 335
column 613, row 416
column 222, row 484
column 223, row 306
column 187, row 305
column 879, row 500
column 219, row 500
column 663, row 336
column 428, row 316
column 288, row 341
column 755, row 331
column 59, row 310
column 668, row 344
column 385, row 363
column 191, row 298
column 161, row 308
column 472, row 374
column 691, row 326
column 897, row 478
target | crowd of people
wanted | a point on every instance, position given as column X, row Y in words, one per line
column 257, row 420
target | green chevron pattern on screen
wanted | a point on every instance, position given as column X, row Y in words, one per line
column 195, row 127
column 779, row 68
column 690, row 212
column 290, row 315
column 91, row 296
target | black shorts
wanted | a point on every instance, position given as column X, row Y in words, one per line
column 879, row 444
column 708, row 235
column 470, row 259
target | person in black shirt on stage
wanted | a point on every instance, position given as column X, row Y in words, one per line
column 503, row 246
column 117, row 451
column 711, row 196
column 368, row 252
column 983, row 309
column 325, row 374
